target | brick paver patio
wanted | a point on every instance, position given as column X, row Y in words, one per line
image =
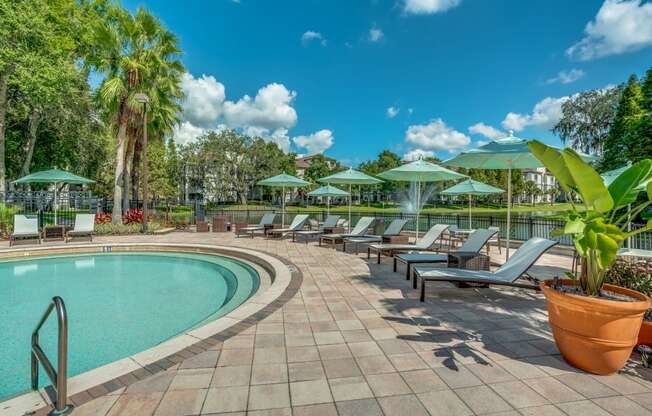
column 355, row 340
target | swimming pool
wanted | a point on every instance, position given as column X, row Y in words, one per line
column 118, row 304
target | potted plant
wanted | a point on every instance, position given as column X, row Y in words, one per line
column 595, row 324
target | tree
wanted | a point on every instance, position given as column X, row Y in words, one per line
column 160, row 182
column 386, row 160
column 531, row 190
column 319, row 168
column 639, row 136
column 628, row 113
column 553, row 193
column 136, row 54
column 172, row 163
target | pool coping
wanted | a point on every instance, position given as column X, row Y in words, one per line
column 285, row 281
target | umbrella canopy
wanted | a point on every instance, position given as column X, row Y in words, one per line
column 350, row 177
column 507, row 153
column 53, row 176
column 328, row 191
column 611, row 176
column 470, row 188
column 420, row 171
column 283, row 181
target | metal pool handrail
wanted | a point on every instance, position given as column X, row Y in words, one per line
column 59, row 378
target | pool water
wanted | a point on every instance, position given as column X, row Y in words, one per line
column 118, row 304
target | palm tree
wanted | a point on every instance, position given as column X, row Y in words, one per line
column 135, row 53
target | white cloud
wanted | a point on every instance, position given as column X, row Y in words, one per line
column 486, row 130
column 278, row 136
column 416, row 154
column 566, row 77
column 316, row 142
column 436, row 136
column 204, row 99
column 375, row 34
column 310, row 35
column 392, row 111
column 186, row 132
column 428, row 6
column 545, row 114
column 620, row 26
column 270, row 109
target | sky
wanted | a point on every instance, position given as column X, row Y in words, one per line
column 351, row 78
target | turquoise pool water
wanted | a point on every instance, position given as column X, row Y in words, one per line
column 118, row 304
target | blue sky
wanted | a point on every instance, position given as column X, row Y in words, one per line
column 354, row 77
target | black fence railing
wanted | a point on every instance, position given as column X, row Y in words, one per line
column 523, row 227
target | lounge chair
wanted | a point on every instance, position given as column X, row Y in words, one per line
column 393, row 229
column 505, row 275
column 297, row 224
column 425, row 243
column 330, row 222
column 84, row 227
column 469, row 249
column 265, row 221
column 360, row 229
column 24, row 229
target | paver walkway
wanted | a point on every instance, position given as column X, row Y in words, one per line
column 355, row 340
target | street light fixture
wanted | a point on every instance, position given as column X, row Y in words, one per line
column 144, row 100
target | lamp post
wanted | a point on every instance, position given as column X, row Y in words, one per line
column 144, row 99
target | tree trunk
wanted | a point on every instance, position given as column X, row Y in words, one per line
column 4, row 79
column 32, row 129
column 119, row 166
column 135, row 170
column 129, row 159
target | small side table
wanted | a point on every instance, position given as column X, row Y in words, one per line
column 268, row 228
column 396, row 239
column 54, row 232
column 469, row 261
column 333, row 230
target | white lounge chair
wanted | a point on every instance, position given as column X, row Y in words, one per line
column 471, row 246
column 360, row 228
column 425, row 243
column 505, row 275
column 84, row 227
column 394, row 228
column 330, row 222
column 266, row 220
column 24, row 229
column 297, row 224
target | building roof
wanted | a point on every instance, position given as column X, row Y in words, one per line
column 305, row 161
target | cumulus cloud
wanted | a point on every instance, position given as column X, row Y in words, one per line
column 316, row 142
column 416, row 154
column 310, row 36
column 186, row 132
column 428, row 6
column 271, row 109
column 392, row 111
column 545, row 114
column 204, row 99
column 375, row 34
column 278, row 136
column 620, row 26
column 486, row 130
column 566, row 77
column 435, row 136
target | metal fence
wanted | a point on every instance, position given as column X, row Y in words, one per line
column 523, row 227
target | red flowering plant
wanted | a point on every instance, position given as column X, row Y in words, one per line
column 133, row 216
column 103, row 218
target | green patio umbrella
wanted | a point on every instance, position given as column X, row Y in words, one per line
column 54, row 176
column 282, row 181
column 420, row 171
column 507, row 153
column 350, row 177
column 471, row 187
column 328, row 191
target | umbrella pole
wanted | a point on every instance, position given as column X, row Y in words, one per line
column 418, row 207
column 283, row 208
column 328, row 205
column 350, row 196
column 55, row 203
column 509, row 209
column 470, row 228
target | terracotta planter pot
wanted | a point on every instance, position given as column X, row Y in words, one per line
column 595, row 335
column 645, row 334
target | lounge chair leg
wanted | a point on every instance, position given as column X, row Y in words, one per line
column 394, row 264
column 407, row 270
column 423, row 290
column 414, row 279
column 378, row 256
column 368, row 253
column 343, row 246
